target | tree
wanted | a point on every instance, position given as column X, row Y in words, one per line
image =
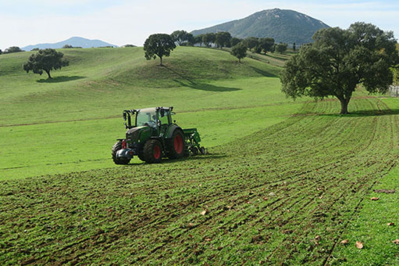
column 45, row 60
column 339, row 60
column 208, row 38
column 13, row 49
column 266, row 44
column 234, row 41
column 182, row 37
column 239, row 51
column 198, row 39
column 251, row 42
column 223, row 39
column 190, row 40
column 396, row 70
column 160, row 45
column 281, row 47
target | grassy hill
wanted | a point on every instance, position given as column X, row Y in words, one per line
column 71, row 122
column 284, row 182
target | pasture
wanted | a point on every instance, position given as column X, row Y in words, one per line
column 285, row 182
column 71, row 122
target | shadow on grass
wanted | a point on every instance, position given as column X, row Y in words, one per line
column 205, row 86
column 264, row 73
column 60, row 79
column 365, row 113
column 188, row 82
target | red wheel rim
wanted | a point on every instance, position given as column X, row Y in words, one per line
column 157, row 152
column 178, row 143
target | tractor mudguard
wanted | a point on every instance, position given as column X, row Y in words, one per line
column 171, row 129
column 125, row 153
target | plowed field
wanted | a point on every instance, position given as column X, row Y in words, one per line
column 284, row 195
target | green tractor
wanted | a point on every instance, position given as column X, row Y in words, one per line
column 151, row 134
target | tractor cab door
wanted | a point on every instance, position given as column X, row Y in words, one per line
column 165, row 121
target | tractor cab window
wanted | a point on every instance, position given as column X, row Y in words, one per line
column 146, row 117
column 164, row 116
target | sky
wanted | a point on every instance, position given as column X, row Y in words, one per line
column 121, row 22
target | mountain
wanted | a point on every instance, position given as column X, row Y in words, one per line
column 286, row 26
column 74, row 41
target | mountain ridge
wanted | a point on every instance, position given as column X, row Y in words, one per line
column 287, row 26
column 73, row 41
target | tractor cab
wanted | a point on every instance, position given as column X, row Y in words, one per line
column 153, row 117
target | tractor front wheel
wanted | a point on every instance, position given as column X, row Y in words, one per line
column 118, row 146
column 152, row 151
column 176, row 145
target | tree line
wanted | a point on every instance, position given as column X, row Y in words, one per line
column 224, row 39
column 46, row 60
column 162, row 44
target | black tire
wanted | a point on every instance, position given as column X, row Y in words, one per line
column 152, row 151
column 118, row 146
column 176, row 145
column 141, row 154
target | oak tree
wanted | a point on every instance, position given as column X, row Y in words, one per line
column 223, row 39
column 45, row 60
column 239, row 51
column 339, row 60
column 160, row 45
column 182, row 37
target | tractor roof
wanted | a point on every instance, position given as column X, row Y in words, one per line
column 155, row 108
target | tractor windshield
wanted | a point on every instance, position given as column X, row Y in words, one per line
column 146, row 116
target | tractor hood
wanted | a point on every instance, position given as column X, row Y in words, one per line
column 134, row 129
column 138, row 133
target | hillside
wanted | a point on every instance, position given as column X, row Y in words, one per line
column 285, row 26
column 74, row 41
column 90, row 94
column 125, row 73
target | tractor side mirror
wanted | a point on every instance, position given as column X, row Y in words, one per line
column 124, row 118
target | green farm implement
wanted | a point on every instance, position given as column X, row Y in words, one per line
column 151, row 135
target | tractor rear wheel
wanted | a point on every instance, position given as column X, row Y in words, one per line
column 118, row 146
column 176, row 145
column 152, row 151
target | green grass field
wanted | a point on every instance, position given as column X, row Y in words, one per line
column 285, row 182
